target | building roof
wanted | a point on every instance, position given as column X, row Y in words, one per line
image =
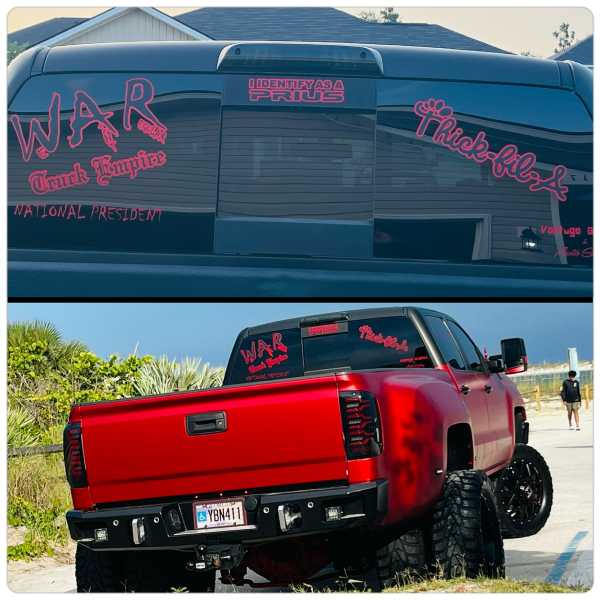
column 279, row 24
column 322, row 25
column 30, row 36
column 581, row 52
column 59, row 36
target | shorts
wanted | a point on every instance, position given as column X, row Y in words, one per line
column 573, row 405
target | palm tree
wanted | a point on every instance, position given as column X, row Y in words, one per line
column 22, row 334
column 160, row 376
column 41, row 346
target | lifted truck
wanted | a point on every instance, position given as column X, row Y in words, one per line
column 372, row 442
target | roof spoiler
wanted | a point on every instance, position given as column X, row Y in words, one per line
column 299, row 58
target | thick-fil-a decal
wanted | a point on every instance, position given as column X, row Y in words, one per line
column 139, row 94
column 506, row 162
column 387, row 341
column 296, row 90
column 265, row 354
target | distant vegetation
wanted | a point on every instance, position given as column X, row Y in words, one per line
column 13, row 50
column 46, row 376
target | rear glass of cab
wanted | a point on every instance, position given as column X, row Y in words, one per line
column 121, row 162
column 434, row 171
column 359, row 344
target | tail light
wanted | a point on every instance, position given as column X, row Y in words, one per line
column 73, row 453
column 360, row 419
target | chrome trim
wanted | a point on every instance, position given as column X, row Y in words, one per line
column 355, row 516
column 86, row 540
column 215, row 530
column 138, row 530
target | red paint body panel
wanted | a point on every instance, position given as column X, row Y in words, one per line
column 288, row 433
column 278, row 434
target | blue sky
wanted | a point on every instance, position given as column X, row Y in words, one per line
column 208, row 330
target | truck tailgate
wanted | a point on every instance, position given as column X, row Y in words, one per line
column 276, row 433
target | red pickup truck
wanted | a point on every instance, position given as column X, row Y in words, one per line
column 373, row 442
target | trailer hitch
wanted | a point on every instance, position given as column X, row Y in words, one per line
column 216, row 557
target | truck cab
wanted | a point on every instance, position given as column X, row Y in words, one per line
column 297, row 169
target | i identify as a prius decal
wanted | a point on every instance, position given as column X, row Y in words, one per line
column 296, row 90
column 506, row 162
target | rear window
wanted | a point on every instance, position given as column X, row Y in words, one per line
column 113, row 162
column 480, row 172
column 361, row 344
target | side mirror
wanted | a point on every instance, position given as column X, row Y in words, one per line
column 495, row 364
column 514, row 355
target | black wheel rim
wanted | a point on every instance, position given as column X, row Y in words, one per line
column 521, row 493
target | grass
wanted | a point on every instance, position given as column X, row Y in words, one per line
column 38, row 497
column 483, row 585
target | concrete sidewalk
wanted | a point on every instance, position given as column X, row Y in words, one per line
column 569, row 455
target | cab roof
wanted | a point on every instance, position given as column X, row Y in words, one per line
column 350, row 315
column 395, row 61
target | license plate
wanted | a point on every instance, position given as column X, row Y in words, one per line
column 220, row 513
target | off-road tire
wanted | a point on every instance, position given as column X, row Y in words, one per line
column 402, row 560
column 466, row 535
column 137, row 571
column 526, row 478
column 96, row 571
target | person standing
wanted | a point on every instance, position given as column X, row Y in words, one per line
column 571, row 397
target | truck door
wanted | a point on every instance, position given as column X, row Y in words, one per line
column 297, row 152
column 470, row 383
column 474, row 383
column 500, row 411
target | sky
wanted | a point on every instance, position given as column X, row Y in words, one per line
column 513, row 29
column 208, row 330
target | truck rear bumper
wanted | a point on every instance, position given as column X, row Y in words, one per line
column 156, row 526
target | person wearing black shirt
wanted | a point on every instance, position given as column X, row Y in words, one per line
column 571, row 397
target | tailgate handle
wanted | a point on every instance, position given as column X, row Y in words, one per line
column 212, row 422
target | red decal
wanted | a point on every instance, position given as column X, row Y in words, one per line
column 367, row 333
column 571, row 232
column 507, row 162
column 269, row 353
column 158, row 134
column 139, row 93
column 42, row 183
column 323, row 329
column 585, row 252
column 296, row 90
column 86, row 112
column 106, row 168
column 47, row 142
column 82, row 212
column 413, row 358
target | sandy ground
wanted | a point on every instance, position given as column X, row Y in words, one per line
column 562, row 551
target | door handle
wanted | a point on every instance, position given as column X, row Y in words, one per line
column 210, row 422
column 465, row 389
column 488, row 389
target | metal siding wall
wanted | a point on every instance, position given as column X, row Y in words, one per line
column 133, row 26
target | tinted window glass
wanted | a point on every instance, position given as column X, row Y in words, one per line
column 265, row 357
column 450, row 186
column 120, row 162
column 294, row 163
column 389, row 342
column 474, row 360
column 445, row 342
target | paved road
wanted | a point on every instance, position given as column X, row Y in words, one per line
column 569, row 529
column 561, row 552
